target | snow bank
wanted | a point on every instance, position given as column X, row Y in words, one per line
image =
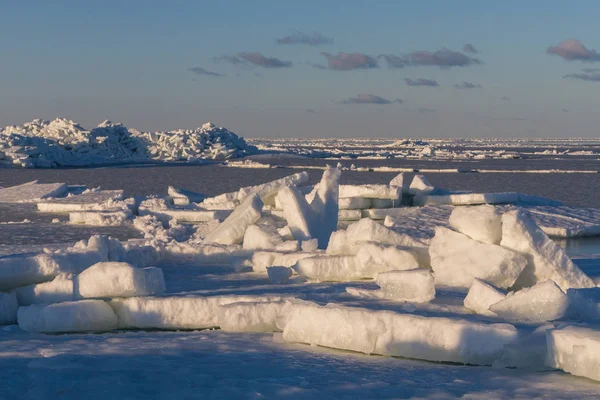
column 231, row 231
column 119, row 279
column 545, row 260
column 72, row 316
column 58, row 290
column 31, row 191
column 457, row 259
column 539, row 303
column 481, row 296
column 8, row 308
column 416, row 285
column 394, row 334
column 62, row 142
column 575, row 350
column 481, row 223
column 176, row 312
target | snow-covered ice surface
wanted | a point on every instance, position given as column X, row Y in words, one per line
column 235, row 362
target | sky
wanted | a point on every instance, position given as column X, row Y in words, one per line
column 349, row 68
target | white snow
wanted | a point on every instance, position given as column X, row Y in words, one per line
column 545, row 260
column 482, row 223
column 395, row 334
column 8, row 308
column 70, row 316
column 457, row 259
column 60, row 289
column 415, row 285
column 542, row 302
column 575, row 350
column 231, row 231
column 481, row 296
column 119, row 279
column 31, row 192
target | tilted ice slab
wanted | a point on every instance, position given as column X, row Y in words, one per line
column 325, row 206
column 176, row 312
column 545, row 259
column 8, row 308
column 481, row 223
column 72, row 316
column 231, row 231
column 420, row 186
column 457, row 259
column 261, row 237
column 298, row 213
column 96, row 200
column 481, row 296
column 31, row 192
column 575, row 350
column 539, row 303
column 268, row 191
column 394, row 334
column 119, row 279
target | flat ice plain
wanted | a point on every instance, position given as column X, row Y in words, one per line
column 303, row 337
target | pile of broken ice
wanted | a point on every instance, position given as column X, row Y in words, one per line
column 61, row 142
column 526, row 304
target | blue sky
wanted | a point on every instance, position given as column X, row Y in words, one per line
column 142, row 63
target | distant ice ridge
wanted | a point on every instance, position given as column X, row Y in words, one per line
column 62, row 142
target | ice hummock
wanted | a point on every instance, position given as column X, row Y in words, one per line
column 457, row 259
column 545, row 259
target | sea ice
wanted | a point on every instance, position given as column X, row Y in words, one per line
column 354, row 203
column 331, row 268
column 575, row 350
column 542, row 302
column 298, row 213
column 253, row 317
column 457, row 259
column 60, row 289
column 278, row 274
column 268, row 191
column 415, row 285
column 8, row 308
column 371, row 191
column 395, row 334
column 71, row 316
column 119, row 279
column 481, row 223
column 261, row 237
column 386, row 258
column 481, row 296
column 545, row 259
column 31, row 192
column 176, row 312
column 231, row 231
column 420, row 186
column 325, row 206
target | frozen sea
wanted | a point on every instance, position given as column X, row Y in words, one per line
column 220, row 365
